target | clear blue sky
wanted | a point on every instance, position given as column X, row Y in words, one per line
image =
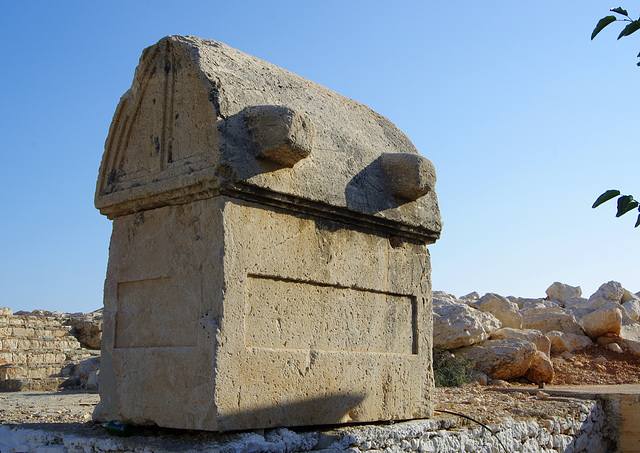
column 526, row 120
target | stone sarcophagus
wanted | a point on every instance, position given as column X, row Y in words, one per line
column 268, row 262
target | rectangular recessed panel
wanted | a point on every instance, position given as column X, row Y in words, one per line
column 290, row 314
column 158, row 312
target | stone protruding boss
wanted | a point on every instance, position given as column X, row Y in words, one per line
column 409, row 176
column 281, row 134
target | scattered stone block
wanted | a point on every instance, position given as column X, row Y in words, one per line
column 456, row 325
column 468, row 298
column 632, row 308
column 630, row 335
column 561, row 292
column 566, row 341
column 547, row 320
column 611, row 291
column 543, row 344
column 541, row 369
column 500, row 359
column 602, row 321
column 506, row 311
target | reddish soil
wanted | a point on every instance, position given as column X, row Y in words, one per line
column 598, row 365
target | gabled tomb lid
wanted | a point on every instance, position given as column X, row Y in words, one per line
column 203, row 119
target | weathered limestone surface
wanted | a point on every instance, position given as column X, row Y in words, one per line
column 584, row 428
column 555, row 327
column 501, row 359
column 548, row 318
column 87, row 328
column 630, row 334
column 541, row 369
column 566, row 341
column 184, row 130
column 610, row 291
column 632, row 307
column 602, row 321
column 543, row 344
column 506, row 311
column 268, row 262
column 561, row 291
column 456, row 325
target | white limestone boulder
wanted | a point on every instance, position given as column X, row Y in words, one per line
column 579, row 303
column 541, row 369
column 456, row 325
column 580, row 306
column 540, row 305
column 547, row 316
column 602, row 321
column 500, row 359
column 630, row 335
column 561, row 292
column 506, row 311
column 467, row 298
column 524, row 301
column 628, row 296
column 442, row 296
column 567, row 342
column 610, row 291
column 632, row 307
column 543, row 344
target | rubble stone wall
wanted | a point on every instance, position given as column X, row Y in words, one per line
column 581, row 430
column 41, row 353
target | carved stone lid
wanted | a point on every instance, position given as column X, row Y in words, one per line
column 203, row 119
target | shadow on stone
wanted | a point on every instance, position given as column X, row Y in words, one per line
column 367, row 191
column 336, row 409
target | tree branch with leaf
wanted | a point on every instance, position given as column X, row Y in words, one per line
column 626, row 203
column 622, row 16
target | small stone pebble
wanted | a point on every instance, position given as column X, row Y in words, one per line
column 542, row 395
column 615, row 347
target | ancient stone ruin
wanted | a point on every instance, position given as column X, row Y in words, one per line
column 268, row 262
column 42, row 351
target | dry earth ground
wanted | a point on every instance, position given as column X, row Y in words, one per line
column 590, row 366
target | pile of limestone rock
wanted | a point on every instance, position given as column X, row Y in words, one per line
column 506, row 337
column 46, row 350
column 510, row 337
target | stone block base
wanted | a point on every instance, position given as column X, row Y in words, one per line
column 225, row 314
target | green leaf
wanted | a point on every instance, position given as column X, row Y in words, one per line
column 601, row 24
column 626, row 203
column 630, row 29
column 619, row 10
column 608, row 195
